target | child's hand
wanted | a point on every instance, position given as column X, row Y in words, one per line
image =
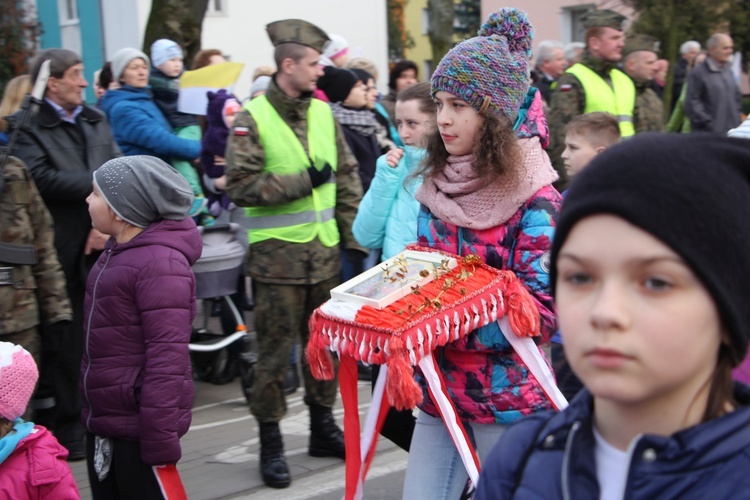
column 219, row 161
column 393, row 156
column 221, row 183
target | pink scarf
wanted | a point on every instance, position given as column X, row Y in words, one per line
column 459, row 196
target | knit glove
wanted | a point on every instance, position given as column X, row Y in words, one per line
column 319, row 177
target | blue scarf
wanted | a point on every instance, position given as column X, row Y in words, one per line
column 8, row 443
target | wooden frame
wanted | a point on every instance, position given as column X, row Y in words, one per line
column 393, row 279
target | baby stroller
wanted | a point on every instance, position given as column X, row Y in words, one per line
column 217, row 273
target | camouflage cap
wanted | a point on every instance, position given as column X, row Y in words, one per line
column 634, row 43
column 603, row 18
column 297, row 31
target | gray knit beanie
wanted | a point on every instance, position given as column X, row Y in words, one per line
column 144, row 189
column 122, row 58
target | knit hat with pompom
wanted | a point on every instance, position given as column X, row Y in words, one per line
column 491, row 70
column 18, row 376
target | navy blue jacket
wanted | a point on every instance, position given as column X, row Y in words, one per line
column 551, row 455
column 140, row 128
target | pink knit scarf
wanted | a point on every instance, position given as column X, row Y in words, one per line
column 459, row 196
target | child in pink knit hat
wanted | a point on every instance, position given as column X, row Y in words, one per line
column 32, row 462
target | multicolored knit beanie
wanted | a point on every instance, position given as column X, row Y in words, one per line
column 18, row 376
column 491, row 70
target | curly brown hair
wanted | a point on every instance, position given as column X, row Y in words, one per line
column 496, row 153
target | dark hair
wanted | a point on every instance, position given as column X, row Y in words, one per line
column 60, row 61
column 203, row 57
column 599, row 128
column 399, row 68
column 496, row 153
column 105, row 76
column 293, row 51
column 362, row 75
column 721, row 385
column 419, row 92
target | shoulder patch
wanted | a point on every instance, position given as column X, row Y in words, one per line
column 240, row 131
column 565, row 88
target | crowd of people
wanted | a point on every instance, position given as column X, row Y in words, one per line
column 625, row 240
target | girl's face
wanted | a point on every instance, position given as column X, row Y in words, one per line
column 357, row 97
column 135, row 73
column 412, row 123
column 638, row 326
column 458, row 123
column 372, row 93
column 102, row 216
column 229, row 112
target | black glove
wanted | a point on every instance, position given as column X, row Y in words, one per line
column 319, row 177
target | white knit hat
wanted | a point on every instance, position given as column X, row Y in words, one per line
column 18, row 376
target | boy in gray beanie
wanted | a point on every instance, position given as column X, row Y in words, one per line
column 140, row 304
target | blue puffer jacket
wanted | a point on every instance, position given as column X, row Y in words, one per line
column 549, row 456
column 387, row 215
column 140, row 128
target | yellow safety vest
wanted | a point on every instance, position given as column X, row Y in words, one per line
column 298, row 221
column 618, row 99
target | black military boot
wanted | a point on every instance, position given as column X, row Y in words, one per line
column 326, row 439
column 273, row 465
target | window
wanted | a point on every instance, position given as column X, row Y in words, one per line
column 217, row 8
column 573, row 29
column 68, row 11
column 427, row 70
column 425, row 21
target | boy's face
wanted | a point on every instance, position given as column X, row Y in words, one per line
column 578, row 153
column 172, row 68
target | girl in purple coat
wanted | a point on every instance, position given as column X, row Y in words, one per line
column 486, row 191
column 139, row 307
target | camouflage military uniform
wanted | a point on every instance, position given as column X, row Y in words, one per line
column 292, row 279
column 568, row 101
column 31, row 293
column 649, row 109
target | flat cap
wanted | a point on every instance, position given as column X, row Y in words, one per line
column 603, row 18
column 297, row 31
column 634, row 43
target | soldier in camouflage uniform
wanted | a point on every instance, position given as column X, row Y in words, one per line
column 639, row 63
column 604, row 42
column 268, row 172
column 32, row 284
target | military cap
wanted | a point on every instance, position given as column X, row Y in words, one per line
column 297, row 31
column 603, row 18
column 634, row 43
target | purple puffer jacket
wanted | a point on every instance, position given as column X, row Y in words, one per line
column 139, row 308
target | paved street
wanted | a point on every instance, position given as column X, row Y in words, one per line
column 220, row 453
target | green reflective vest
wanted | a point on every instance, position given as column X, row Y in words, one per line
column 618, row 99
column 298, row 221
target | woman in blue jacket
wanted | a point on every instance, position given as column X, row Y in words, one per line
column 139, row 127
column 652, row 306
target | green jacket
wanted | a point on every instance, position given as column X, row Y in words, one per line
column 35, row 292
column 249, row 185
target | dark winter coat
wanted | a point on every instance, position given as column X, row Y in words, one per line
column 139, row 307
column 166, row 91
column 140, row 128
column 549, row 456
column 214, row 142
column 367, row 151
column 62, row 158
column 713, row 101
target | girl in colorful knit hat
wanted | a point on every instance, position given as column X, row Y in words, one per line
column 32, row 462
column 487, row 191
column 650, row 280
